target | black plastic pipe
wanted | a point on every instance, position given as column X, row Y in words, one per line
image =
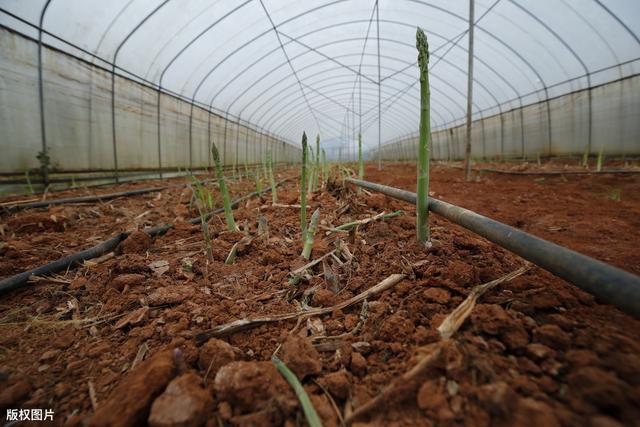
column 85, row 199
column 604, row 171
column 21, row 279
column 82, row 199
column 610, row 284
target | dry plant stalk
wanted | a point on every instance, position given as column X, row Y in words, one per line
column 331, row 277
column 431, row 352
column 242, row 324
column 263, row 229
column 142, row 351
column 231, row 258
column 238, row 246
column 92, row 395
column 381, row 215
column 282, row 205
column 456, row 318
column 297, row 274
column 333, row 342
column 334, row 405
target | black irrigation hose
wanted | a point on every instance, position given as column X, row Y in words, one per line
column 552, row 173
column 85, row 199
column 82, row 199
column 608, row 283
column 604, row 171
column 19, row 280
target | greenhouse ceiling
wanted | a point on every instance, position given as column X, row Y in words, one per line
column 335, row 67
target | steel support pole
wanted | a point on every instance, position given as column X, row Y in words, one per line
column 43, row 133
column 590, row 112
column 521, row 130
column 191, row 136
column 467, row 153
column 113, row 122
column 237, row 146
column 224, row 139
column 484, row 147
column 501, row 136
column 246, row 146
column 549, row 134
column 263, row 147
column 379, row 88
column 113, row 85
column 208, row 145
column 159, row 132
column 359, row 110
column 354, row 137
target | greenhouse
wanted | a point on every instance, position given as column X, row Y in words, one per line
column 322, row 212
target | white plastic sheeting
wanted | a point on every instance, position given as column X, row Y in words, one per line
column 77, row 106
column 525, row 132
column 319, row 65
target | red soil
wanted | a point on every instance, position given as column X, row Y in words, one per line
column 113, row 342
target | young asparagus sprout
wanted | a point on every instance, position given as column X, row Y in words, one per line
column 303, row 185
column 308, row 236
column 29, row 185
column 325, row 168
column 585, row 158
column 422, row 207
column 204, row 203
column 202, row 194
column 272, row 181
column 228, row 213
column 258, row 182
column 599, row 164
column 265, row 167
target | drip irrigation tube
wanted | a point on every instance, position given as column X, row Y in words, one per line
column 605, row 171
column 553, row 172
column 21, row 279
column 82, row 199
column 610, row 284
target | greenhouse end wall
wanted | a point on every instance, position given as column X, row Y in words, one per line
column 525, row 133
column 77, row 107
